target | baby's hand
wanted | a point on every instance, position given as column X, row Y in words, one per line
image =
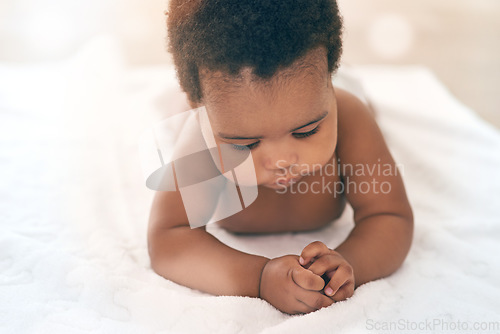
column 291, row 288
column 326, row 262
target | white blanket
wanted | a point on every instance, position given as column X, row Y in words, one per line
column 74, row 209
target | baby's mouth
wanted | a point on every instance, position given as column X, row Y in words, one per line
column 287, row 181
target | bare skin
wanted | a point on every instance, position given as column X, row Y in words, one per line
column 295, row 128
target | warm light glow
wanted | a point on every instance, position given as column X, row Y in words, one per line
column 49, row 31
column 390, row 36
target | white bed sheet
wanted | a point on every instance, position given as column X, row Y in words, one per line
column 73, row 210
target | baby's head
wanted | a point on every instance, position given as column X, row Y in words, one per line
column 262, row 69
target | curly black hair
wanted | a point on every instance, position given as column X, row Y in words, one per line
column 264, row 35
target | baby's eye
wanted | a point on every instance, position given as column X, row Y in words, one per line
column 243, row 147
column 305, row 134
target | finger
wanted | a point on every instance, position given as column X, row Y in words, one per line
column 342, row 276
column 307, row 279
column 345, row 291
column 314, row 300
column 326, row 263
column 303, row 308
column 314, row 249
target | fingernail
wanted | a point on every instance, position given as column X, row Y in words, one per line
column 301, row 260
column 328, row 291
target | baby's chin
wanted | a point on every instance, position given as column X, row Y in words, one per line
column 273, row 186
column 281, row 184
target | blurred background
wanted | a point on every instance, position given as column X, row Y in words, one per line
column 459, row 40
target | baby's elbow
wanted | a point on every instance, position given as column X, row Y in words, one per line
column 157, row 254
column 154, row 258
column 405, row 219
column 406, row 236
column 159, row 262
column 410, row 225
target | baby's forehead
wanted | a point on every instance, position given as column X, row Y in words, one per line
column 221, row 86
column 313, row 67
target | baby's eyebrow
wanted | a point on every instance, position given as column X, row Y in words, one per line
column 231, row 137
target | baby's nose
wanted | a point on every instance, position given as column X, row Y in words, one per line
column 279, row 155
column 283, row 164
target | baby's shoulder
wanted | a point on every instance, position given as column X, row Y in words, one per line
column 353, row 113
column 352, row 104
column 357, row 127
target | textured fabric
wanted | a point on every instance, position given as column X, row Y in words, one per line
column 74, row 210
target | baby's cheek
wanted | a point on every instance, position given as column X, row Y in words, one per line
column 262, row 173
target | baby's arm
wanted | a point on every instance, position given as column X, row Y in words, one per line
column 383, row 230
column 196, row 259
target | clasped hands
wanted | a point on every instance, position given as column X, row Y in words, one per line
column 299, row 285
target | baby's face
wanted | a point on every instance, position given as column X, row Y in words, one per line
column 290, row 125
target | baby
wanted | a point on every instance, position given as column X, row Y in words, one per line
column 263, row 72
